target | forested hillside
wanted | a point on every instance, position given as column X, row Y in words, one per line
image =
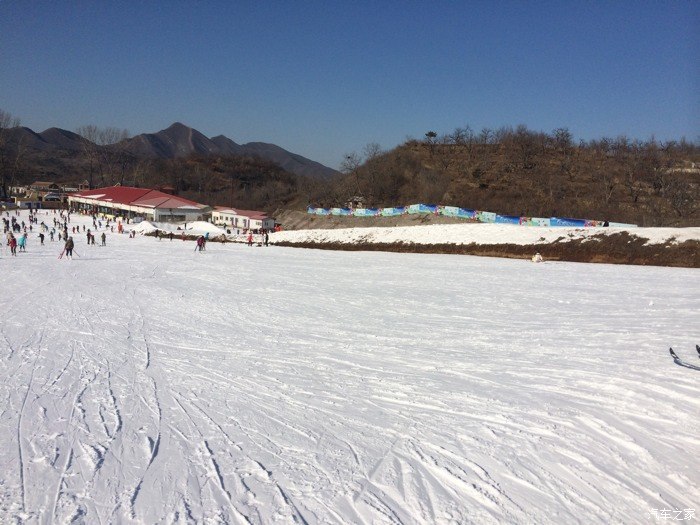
column 527, row 173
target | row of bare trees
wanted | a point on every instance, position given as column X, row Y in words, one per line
column 9, row 159
column 105, row 154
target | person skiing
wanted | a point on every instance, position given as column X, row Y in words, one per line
column 68, row 248
column 41, row 238
column 12, row 242
column 104, row 239
column 23, row 243
column 200, row 243
column 250, row 239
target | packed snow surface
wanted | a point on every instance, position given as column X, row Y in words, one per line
column 144, row 382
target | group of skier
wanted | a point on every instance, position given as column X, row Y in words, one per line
column 14, row 243
column 17, row 231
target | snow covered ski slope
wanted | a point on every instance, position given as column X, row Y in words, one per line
column 143, row 382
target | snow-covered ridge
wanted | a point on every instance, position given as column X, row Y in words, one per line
column 476, row 233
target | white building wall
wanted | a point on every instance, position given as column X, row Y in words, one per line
column 242, row 222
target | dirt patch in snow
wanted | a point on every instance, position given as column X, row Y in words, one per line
column 619, row 248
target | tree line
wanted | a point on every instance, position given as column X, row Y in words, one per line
column 515, row 171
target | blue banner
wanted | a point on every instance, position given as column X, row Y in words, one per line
column 571, row 223
column 422, row 208
column 454, row 211
column 393, row 212
column 507, row 219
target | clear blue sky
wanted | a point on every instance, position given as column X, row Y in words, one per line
column 325, row 78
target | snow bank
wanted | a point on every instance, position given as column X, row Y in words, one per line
column 191, row 228
column 475, row 233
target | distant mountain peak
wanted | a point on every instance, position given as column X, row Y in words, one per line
column 176, row 141
column 180, row 140
column 176, row 126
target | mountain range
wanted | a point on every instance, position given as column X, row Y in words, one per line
column 176, row 141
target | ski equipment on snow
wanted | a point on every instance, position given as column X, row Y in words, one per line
column 681, row 362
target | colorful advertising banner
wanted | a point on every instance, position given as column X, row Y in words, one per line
column 366, row 212
column 422, row 208
column 485, row 216
column 535, row 221
column 455, row 211
column 393, row 212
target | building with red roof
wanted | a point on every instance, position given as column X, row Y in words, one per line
column 242, row 219
column 125, row 201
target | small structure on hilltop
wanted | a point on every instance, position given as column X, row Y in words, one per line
column 356, row 201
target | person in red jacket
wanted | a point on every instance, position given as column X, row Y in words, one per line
column 13, row 245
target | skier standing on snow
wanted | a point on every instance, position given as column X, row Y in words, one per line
column 104, row 239
column 12, row 243
column 23, row 243
column 68, row 249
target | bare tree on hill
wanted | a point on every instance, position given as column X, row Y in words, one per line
column 8, row 163
column 105, row 153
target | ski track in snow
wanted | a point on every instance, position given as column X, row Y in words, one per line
column 145, row 383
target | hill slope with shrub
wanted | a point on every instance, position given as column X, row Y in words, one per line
column 526, row 173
